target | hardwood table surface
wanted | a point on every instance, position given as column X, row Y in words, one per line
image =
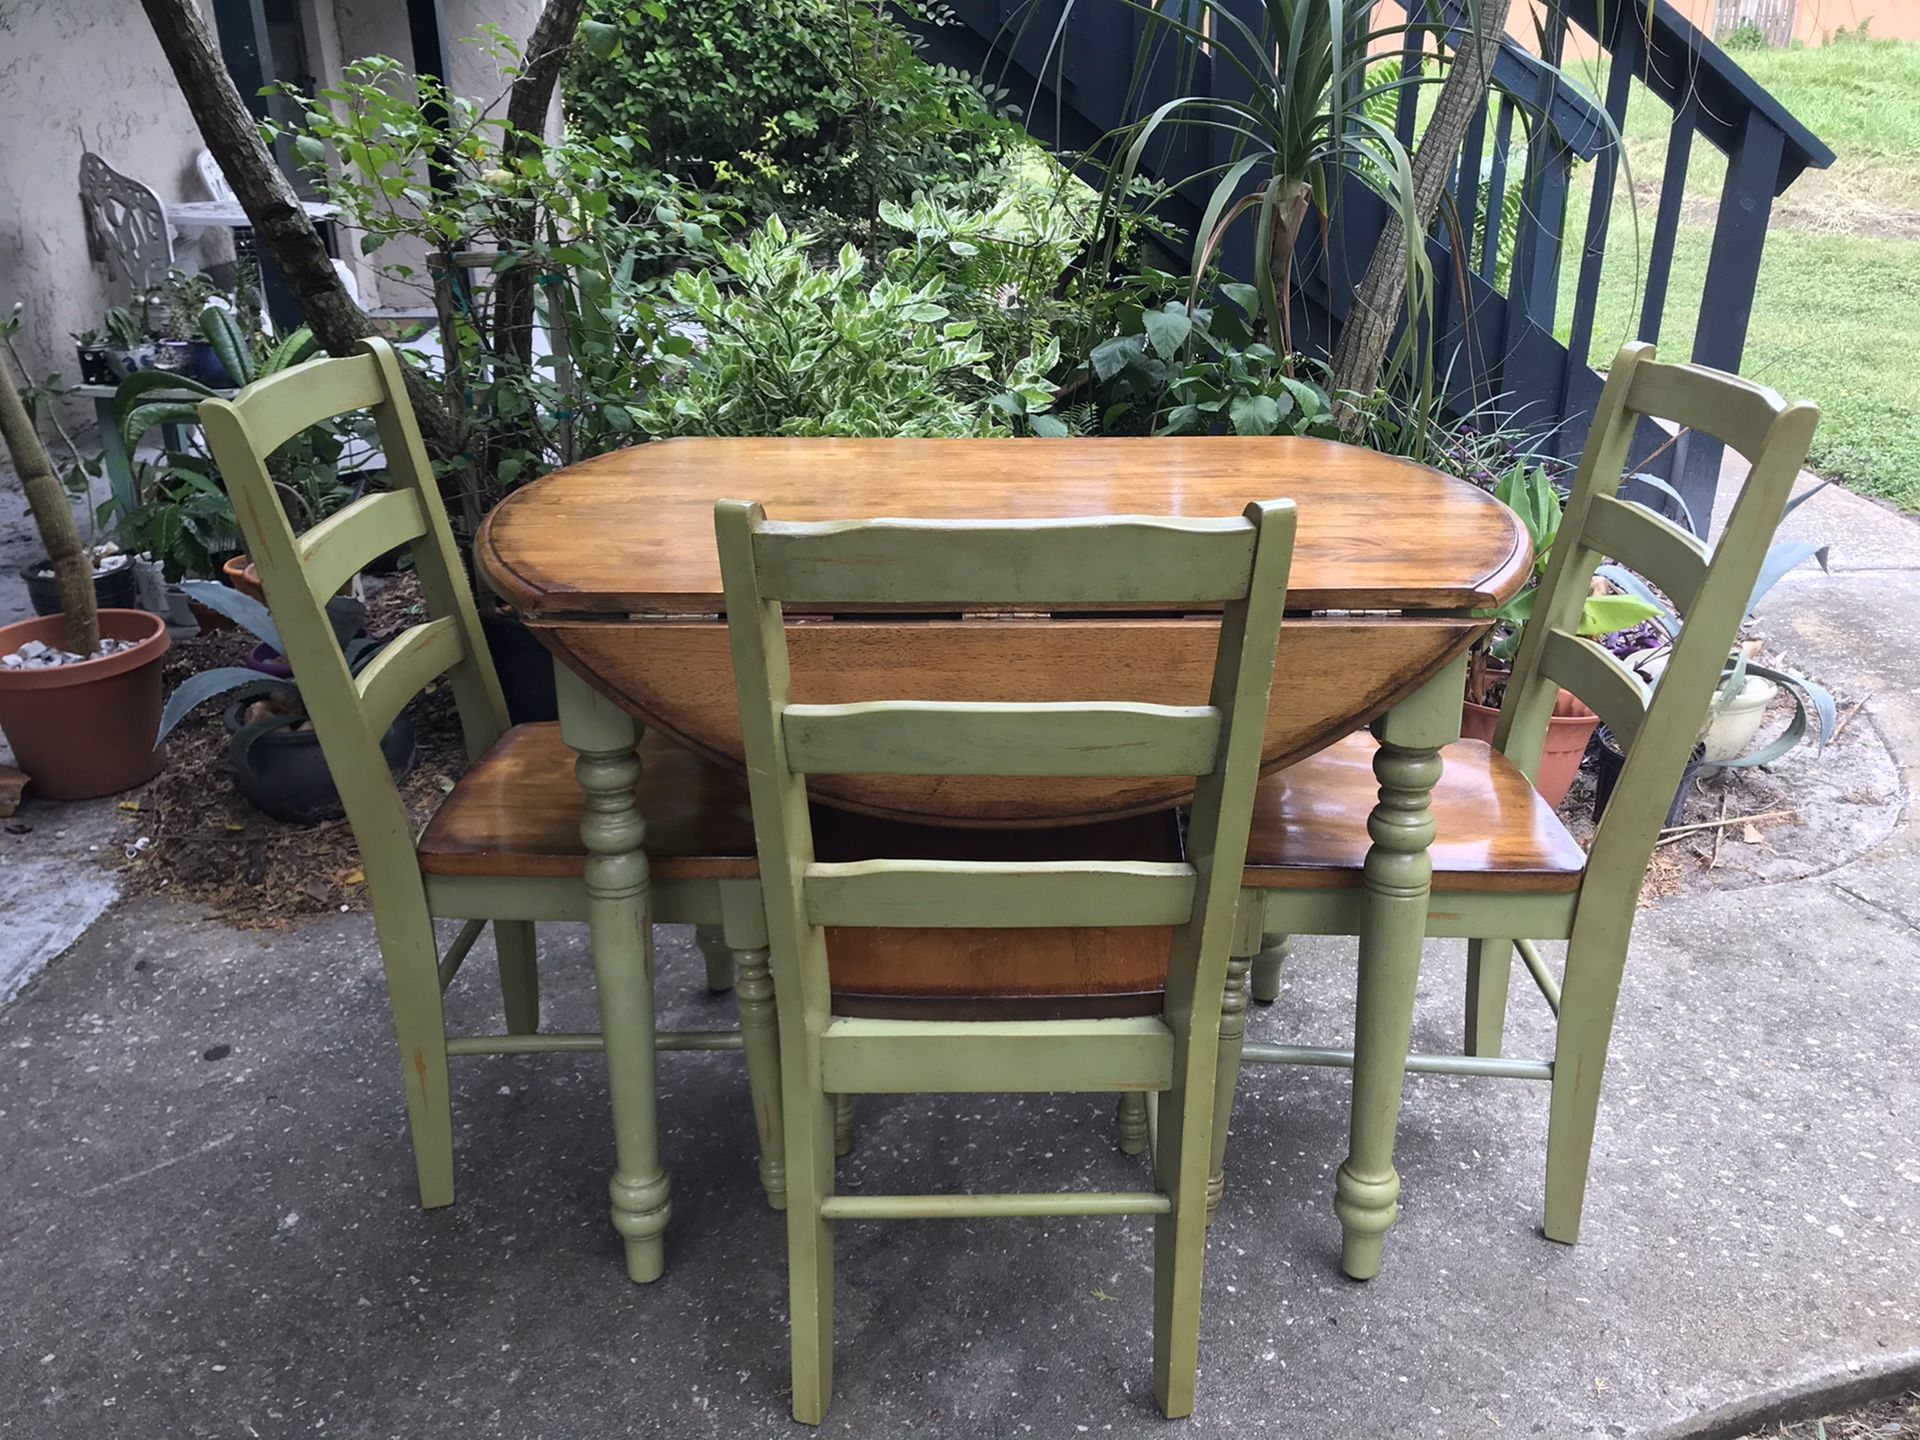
column 613, row 564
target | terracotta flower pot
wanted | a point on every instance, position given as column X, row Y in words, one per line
column 243, row 575
column 1568, row 731
column 86, row 730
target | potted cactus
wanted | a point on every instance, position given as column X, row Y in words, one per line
column 80, row 690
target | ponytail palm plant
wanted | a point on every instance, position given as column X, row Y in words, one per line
column 1300, row 108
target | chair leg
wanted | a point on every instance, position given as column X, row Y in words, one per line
column 1589, row 996
column 720, row 959
column 1266, row 967
column 810, row 1250
column 411, row 961
column 1181, row 1159
column 1233, row 1032
column 513, row 945
column 760, row 1037
column 1489, row 968
column 843, row 1124
column 1132, row 1119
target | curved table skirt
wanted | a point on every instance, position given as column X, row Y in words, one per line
column 1334, row 675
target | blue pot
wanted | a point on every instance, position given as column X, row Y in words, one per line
column 206, row 367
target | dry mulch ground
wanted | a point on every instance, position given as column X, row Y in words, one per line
column 1887, row 1420
column 192, row 834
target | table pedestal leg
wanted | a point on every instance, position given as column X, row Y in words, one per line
column 1398, row 879
column 620, row 925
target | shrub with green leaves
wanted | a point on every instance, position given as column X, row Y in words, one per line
column 795, row 349
column 817, row 109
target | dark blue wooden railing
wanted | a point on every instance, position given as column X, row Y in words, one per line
column 1495, row 345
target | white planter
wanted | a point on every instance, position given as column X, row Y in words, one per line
column 1731, row 727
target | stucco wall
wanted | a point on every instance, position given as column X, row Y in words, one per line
column 88, row 75
column 76, row 75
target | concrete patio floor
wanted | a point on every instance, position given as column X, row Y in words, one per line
column 211, row 1241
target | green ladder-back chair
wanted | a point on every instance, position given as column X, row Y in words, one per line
column 1241, row 563
column 505, row 846
column 1503, row 866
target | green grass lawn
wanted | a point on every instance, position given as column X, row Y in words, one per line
column 1836, row 315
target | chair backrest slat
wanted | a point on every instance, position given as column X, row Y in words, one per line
column 1120, row 560
column 403, row 667
column 1601, row 682
column 281, row 406
column 1740, row 413
column 340, row 546
column 1650, row 544
column 351, row 713
column 967, row 895
column 919, row 737
column 1661, row 729
column 1237, row 564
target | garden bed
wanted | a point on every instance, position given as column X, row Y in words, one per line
column 192, row 835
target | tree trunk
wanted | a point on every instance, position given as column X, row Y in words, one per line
column 546, row 56
column 54, row 518
column 280, row 224
column 1376, row 304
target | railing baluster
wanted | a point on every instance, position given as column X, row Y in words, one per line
column 1413, row 60
column 1666, row 224
column 1496, row 191
column 1606, row 169
column 1726, row 300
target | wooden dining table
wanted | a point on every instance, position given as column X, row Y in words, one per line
column 612, row 564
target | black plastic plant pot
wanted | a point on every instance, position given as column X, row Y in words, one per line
column 525, row 667
column 284, row 774
column 1609, row 760
column 113, row 590
column 96, row 365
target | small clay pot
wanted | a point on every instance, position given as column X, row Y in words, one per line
column 1568, row 731
column 243, row 575
column 89, row 729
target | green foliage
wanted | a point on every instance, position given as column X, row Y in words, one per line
column 1744, row 37
column 818, row 109
column 792, row 349
column 606, row 227
column 1180, row 369
column 1529, row 491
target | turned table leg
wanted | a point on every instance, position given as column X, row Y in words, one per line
column 619, row 922
column 1398, row 880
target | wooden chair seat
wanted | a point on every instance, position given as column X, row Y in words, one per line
column 1493, row 832
column 517, row 813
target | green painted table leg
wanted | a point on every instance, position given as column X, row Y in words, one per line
column 1132, row 1120
column 843, row 1125
column 620, row 926
column 719, row 957
column 1398, row 879
column 1274, row 952
column 1233, row 1034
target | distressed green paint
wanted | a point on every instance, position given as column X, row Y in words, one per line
column 1662, row 728
column 1120, row 560
column 350, row 714
column 907, row 737
column 985, row 894
column 904, row 564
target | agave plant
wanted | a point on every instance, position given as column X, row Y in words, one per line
column 1814, row 707
column 243, row 682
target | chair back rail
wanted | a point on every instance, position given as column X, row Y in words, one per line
column 1658, row 729
column 299, row 572
column 1112, row 561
